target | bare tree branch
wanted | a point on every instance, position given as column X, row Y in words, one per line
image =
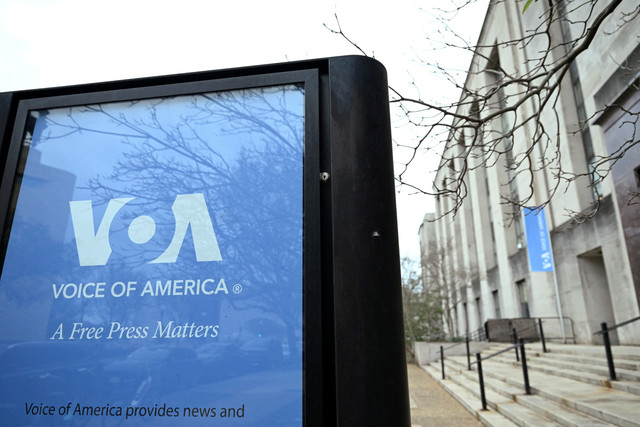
column 501, row 105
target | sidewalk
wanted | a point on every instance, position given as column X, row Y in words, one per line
column 431, row 406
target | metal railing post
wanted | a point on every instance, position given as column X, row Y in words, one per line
column 468, row 356
column 544, row 345
column 525, row 372
column 442, row 360
column 515, row 341
column 481, row 381
column 607, row 349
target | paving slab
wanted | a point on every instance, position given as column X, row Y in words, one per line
column 433, row 406
column 470, row 400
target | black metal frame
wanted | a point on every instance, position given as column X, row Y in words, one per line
column 354, row 360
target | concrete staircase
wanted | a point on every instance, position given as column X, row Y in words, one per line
column 570, row 386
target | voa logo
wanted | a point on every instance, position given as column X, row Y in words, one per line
column 189, row 211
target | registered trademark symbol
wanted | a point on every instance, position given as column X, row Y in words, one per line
column 237, row 288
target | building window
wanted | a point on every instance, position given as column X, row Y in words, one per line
column 523, row 298
column 578, row 97
column 496, row 304
column 454, row 333
column 517, row 223
column 479, row 311
column 490, row 214
column 466, row 319
column 507, row 127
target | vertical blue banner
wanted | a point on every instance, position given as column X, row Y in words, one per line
column 538, row 244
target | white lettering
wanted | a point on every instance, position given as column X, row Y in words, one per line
column 222, row 286
column 93, row 249
column 190, row 211
column 181, row 287
column 57, row 333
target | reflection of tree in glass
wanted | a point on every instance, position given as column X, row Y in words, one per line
column 243, row 150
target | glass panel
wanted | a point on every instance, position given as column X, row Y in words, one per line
column 154, row 266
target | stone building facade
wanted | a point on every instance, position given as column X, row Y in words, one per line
column 596, row 270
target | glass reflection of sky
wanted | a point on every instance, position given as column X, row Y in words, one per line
column 104, row 133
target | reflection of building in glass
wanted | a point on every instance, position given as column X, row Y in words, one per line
column 259, row 339
column 598, row 276
column 48, row 187
column 44, row 190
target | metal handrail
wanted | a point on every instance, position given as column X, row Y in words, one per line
column 607, row 343
column 515, row 334
column 442, row 350
column 542, row 334
column 550, row 320
column 479, row 334
column 525, row 371
column 611, row 328
column 528, row 327
column 562, row 319
column 497, row 353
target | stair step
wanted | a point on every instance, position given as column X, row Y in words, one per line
column 542, row 366
column 507, row 390
column 552, row 412
column 570, row 385
column 597, row 369
column 499, row 395
column 559, row 413
column 524, row 416
column 602, row 380
column 606, row 404
column 626, row 386
column 494, row 419
column 629, row 354
column 622, row 352
column 600, row 360
column 506, row 406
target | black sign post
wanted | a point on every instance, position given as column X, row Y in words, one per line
column 207, row 248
